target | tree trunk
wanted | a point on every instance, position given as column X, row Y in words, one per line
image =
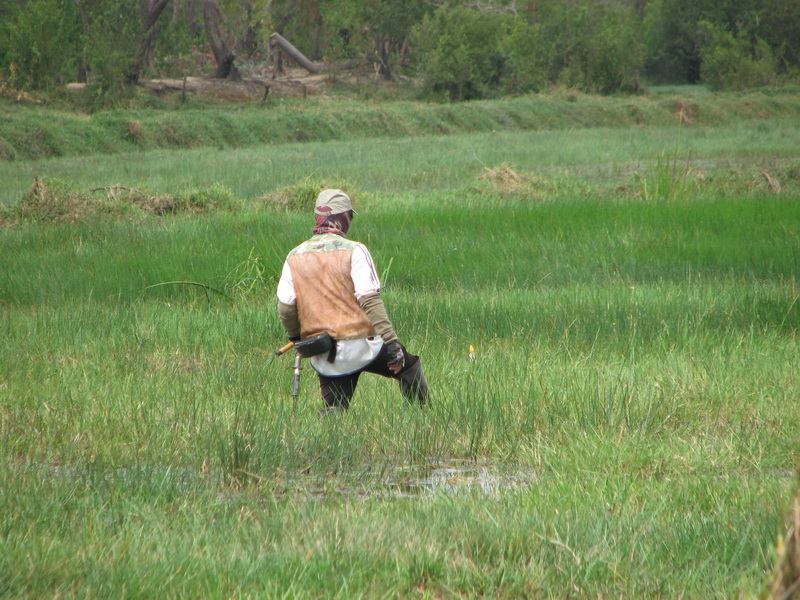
column 154, row 10
column 150, row 29
column 223, row 55
column 279, row 40
column 277, row 61
column 83, row 68
column 249, row 45
column 383, row 46
column 282, row 15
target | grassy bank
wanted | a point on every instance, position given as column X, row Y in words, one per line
column 39, row 132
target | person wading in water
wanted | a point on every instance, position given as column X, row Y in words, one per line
column 329, row 303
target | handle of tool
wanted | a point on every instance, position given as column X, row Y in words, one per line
column 286, row 348
column 296, row 378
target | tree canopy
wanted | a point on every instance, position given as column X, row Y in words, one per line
column 458, row 49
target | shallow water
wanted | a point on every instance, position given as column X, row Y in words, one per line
column 456, row 476
column 440, row 476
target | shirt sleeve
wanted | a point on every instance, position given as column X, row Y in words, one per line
column 362, row 270
column 286, row 286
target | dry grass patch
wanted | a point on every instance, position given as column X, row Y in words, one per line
column 505, row 179
column 52, row 201
column 299, row 197
column 134, row 132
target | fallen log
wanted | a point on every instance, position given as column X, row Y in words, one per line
column 294, row 53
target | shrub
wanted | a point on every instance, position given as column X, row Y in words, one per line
column 527, row 49
column 110, row 52
column 736, row 62
column 590, row 46
column 468, row 54
column 461, row 52
column 612, row 56
column 39, row 42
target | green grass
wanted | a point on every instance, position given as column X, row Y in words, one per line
column 36, row 132
column 627, row 428
column 724, row 159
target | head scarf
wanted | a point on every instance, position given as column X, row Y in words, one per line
column 337, row 224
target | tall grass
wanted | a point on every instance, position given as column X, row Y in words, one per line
column 648, row 415
column 626, row 428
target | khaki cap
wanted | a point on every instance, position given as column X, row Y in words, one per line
column 332, row 202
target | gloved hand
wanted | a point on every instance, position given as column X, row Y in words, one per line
column 396, row 356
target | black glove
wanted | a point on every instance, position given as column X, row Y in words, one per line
column 396, row 356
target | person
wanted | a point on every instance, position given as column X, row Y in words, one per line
column 329, row 285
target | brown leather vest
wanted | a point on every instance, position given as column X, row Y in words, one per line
column 325, row 294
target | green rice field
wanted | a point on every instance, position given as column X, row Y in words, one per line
column 626, row 427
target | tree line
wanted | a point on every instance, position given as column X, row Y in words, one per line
column 459, row 50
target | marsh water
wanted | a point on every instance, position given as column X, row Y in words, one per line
column 451, row 476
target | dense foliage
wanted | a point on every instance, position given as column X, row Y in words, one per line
column 460, row 50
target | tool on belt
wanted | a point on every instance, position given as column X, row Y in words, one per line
column 296, row 381
column 313, row 346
